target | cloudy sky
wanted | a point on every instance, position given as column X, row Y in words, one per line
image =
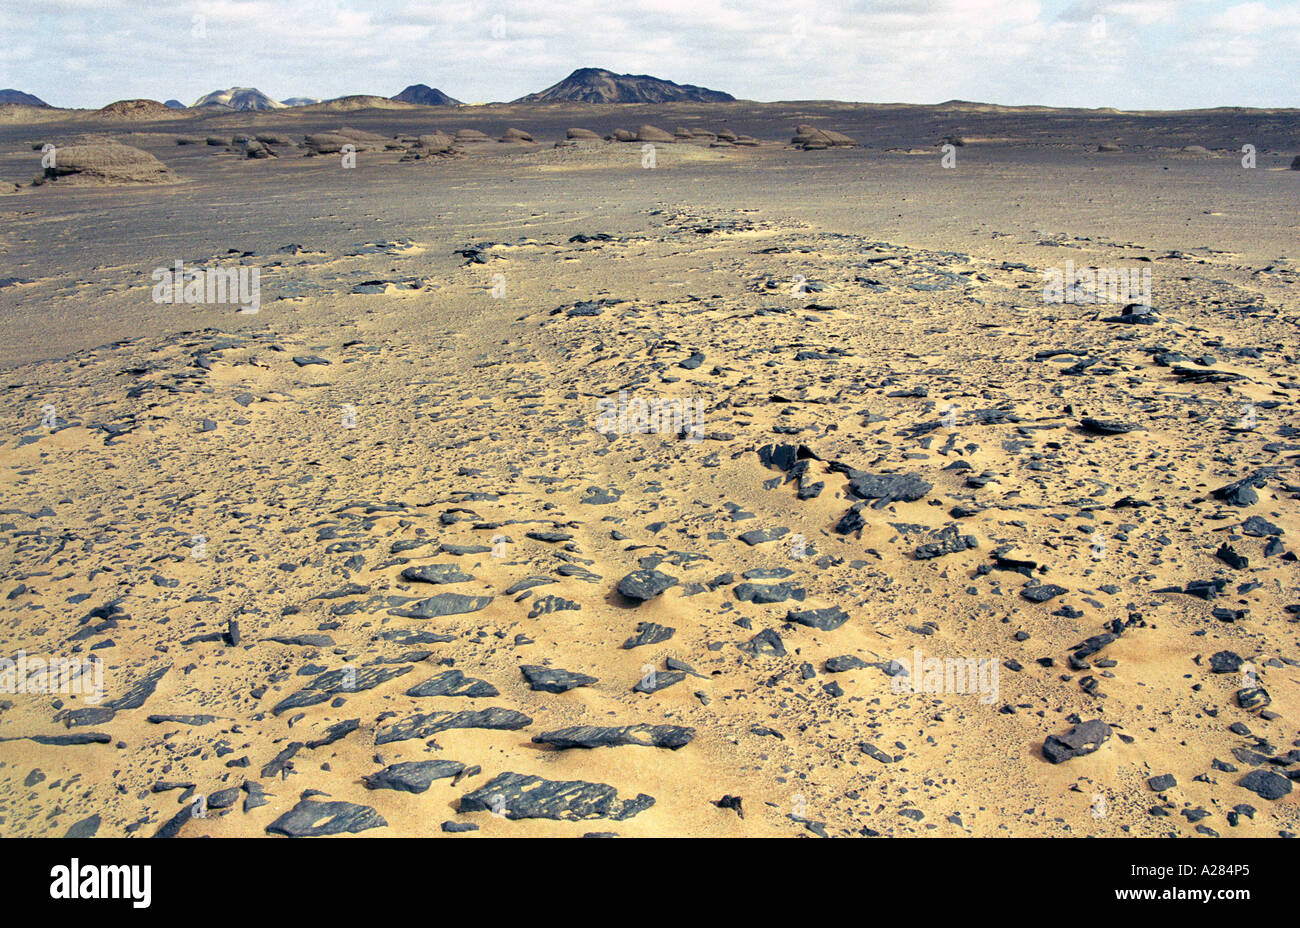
column 1134, row 54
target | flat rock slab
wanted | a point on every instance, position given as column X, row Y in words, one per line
column 768, row 592
column 949, row 540
column 823, row 619
column 443, row 604
column 596, row 736
column 428, row 725
column 1084, row 738
column 552, row 680
column 312, row 819
column 1266, row 784
column 453, row 683
column 336, row 682
column 413, row 776
column 517, row 796
column 1105, row 426
column 1042, row 592
column 648, row 633
column 886, row 488
column 436, row 573
column 642, row 585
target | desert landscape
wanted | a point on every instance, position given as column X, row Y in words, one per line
column 630, row 461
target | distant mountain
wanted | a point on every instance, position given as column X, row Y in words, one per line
column 240, row 98
column 17, row 96
column 596, row 85
column 425, row 96
column 174, row 104
column 299, row 101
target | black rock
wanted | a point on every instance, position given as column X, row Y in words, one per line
column 642, row 585
column 657, row 680
column 1253, row 697
column 844, row 663
column 884, row 488
column 311, row 819
column 1162, row 782
column 518, row 796
column 1105, row 426
column 1266, row 784
column 594, row 736
column 86, row 828
column 453, row 683
column 413, row 776
column 436, row 573
column 443, row 604
column 1041, row 593
column 648, row 633
column 1231, row 558
column 1242, row 492
column 1225, row 662
column 825, row 620
column 548, row 680
column 335, row 682
column 768, row 592
column 758, row 536
column 1082, row 739
column 949, row 540
column 766, row 642
column 429, row 724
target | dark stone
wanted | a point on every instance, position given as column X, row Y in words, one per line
column 453, row 683
column 768, row 592
column 443, row 604
column 594, row 736
column 1266, row 784
column 658, row 680
column 517, row 796
column 86, row 828
column 766, row 642
column 1162, row 782
column 1253, row 697
column 1105, row 426
column 1225, row 662
column 648, row 633
column 334, row 682
column 845, row 662
column 643, row 585
column 413, row 776
column 436, row 573
column 823, row 619
column 1041, row 593
column 1084, row 738
column 428, row 725
column 311, row 819
column 948, row 541
column 548, row 680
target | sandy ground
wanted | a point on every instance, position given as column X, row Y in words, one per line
column 169, row 468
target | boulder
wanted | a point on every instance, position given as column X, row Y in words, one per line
column 580, row 134
column 105, row 161
column 811, row 138
column 516, row 135
column 648, row 133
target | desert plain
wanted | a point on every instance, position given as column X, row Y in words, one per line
column 565, row 487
